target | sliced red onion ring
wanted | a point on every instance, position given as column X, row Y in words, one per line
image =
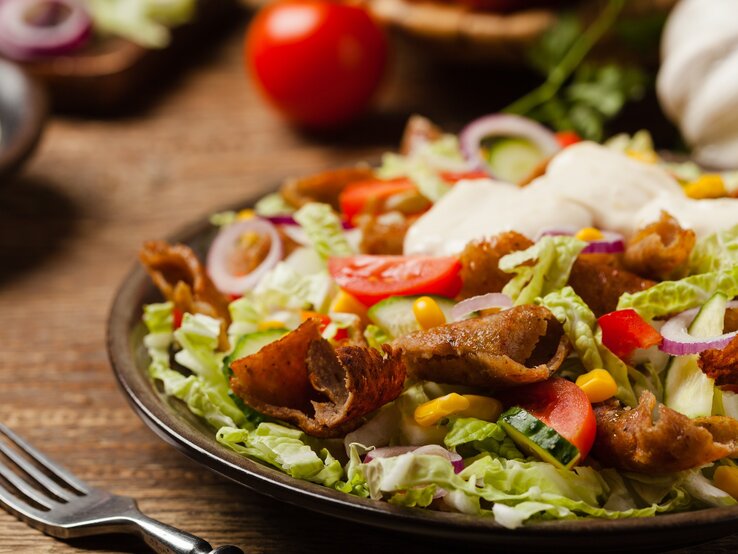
column 32, row 29
column 504, row 125
column 287, row 219
column 678, row 341
column 555, row 232
column 427, row 450
column 223, row 245
column 612, row 243
column 481, row 302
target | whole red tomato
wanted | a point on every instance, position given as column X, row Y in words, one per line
column 318, row 62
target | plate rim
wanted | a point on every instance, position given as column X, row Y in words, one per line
column 125, row 313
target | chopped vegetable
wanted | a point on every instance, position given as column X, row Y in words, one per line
column 624, row 330
column 427, row 313
column 598, row 385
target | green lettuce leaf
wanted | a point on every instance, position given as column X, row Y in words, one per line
column 324, row 230
column 619, row 371
column 273, row 204
column 715, row 252
column 553, row 257
column 283, row 288
column 376, row 336
column 246, row 314
column 485, row 436
column 579, row 324
column 671, row 297
column 285, row 449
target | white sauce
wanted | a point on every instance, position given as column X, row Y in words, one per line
column 585, row 185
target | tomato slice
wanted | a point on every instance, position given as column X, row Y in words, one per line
column 562, row 405
column 374, row 278
column 454, row 176
column 567, row 138
column 624, row 330
column 356, row 197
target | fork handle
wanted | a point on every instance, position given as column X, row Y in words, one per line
column 164, row 539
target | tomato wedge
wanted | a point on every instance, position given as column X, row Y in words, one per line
column 567, row 138
column 562, row 405
column 624, row 330
column 374, row 278
column 355, row 198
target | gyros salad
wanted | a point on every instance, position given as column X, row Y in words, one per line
column 508, row 322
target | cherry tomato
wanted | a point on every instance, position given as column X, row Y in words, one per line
column 373, row 278
column 356, row 196
column 318, row 62
column 562, row 405
column 624, row 330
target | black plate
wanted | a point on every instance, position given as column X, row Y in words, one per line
column 171, row 420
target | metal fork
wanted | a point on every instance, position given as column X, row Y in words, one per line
column 54, row 501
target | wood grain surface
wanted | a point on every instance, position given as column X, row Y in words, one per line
column 70, row 228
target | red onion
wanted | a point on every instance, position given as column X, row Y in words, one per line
column 32, row 29
column 612, row 243
column 504, row 125
column 287, row 219
column 427, row 450
column 481, row 302
column 223, row 246
column 555, row 232
column 678, row 341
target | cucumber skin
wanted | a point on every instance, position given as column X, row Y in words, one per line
column 533, row 436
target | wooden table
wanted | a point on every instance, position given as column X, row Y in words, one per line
column 70, row 228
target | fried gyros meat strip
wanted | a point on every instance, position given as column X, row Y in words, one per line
column 721, row 365
column 522, row 345
column 384, row 234
column 182, row 279
column 480, row 272
column 599, row 280
column 654, row 439
column 323, row 187
column 658, row 250
column 326, row 392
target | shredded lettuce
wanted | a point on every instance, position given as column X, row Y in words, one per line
column 376, row 336
column 618, row 370
column 553, row 257
column 485, row 436
column 324, row 230
column 145, row 22
column 579, row 324
column 285, row 288
column 203, row 392
column 273, row 204
column 671, row 297
column 715, row 252
column 285, row 449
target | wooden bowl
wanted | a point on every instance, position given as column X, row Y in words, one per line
column 23, row 110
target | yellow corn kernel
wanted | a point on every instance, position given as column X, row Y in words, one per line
column 345, row 303
column 427, row 313
column 481, row 407
column 431, row 412
column 271, row 324
column 598, row 385
column 245, row 214
column 726, row 478
column 589, row 234
column 645, row 156
column 709, row 185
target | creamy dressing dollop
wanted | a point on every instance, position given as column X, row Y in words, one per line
column 585, row 185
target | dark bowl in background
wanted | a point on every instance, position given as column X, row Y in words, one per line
column 23, row 110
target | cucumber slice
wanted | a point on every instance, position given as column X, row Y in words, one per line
column 687, row 389
column 395, row 314
column 537, row 439
column 512, row 159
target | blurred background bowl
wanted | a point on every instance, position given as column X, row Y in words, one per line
column 23, row 110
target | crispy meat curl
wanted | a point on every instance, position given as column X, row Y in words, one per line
column 384, row 234
column 660, row 249
column 325, row 391
column 654, row 439
column 525, row 344
column 599, row 280
column 480, row 272
column 323, row 187
column 721, row 365
column 178, row 274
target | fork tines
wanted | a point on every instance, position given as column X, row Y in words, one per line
column 45, row 484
